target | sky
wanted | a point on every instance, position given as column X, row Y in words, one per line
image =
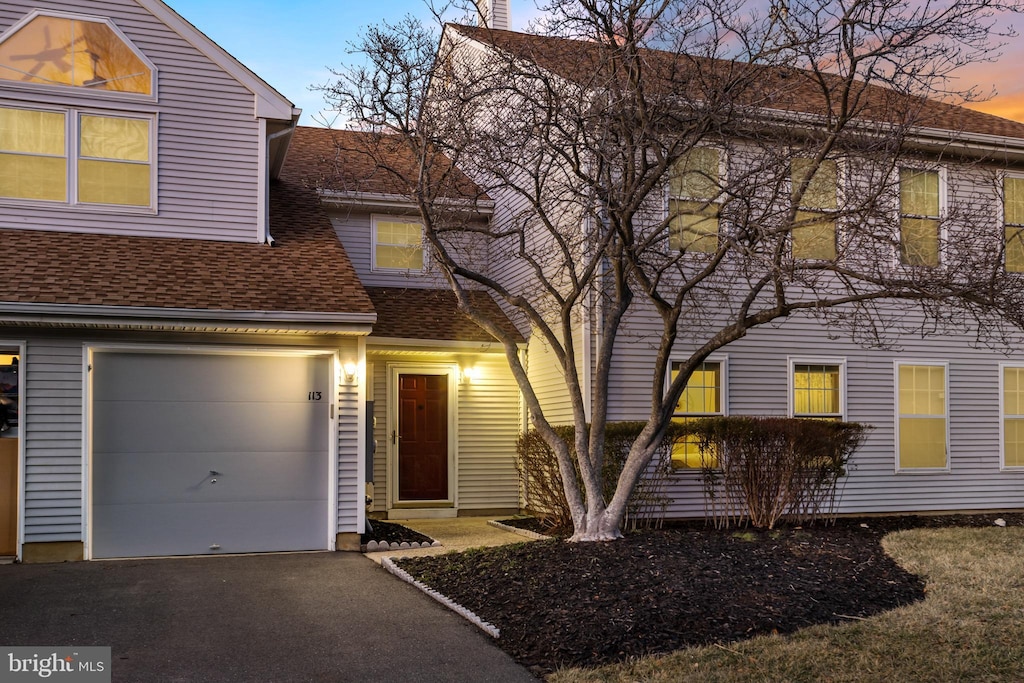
column 293, row 44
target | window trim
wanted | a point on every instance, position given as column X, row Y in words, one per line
column 1003, row 467
column 897, row 364
column 943, row 228
column 391, row 218
column 1003, row 225
column 830, row 214
column 793, row 361
column 723, row 360
column 718, row 201
column 65, row 90
column 72, row 148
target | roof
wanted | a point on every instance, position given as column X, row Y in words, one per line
column 770, row 87
column 359, row 162
column 412, row 313
column 306, row 271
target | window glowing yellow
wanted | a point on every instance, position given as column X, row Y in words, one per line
column 693, row 226
column 32, row 155
column 73, row 52
column 1013, row 217
column 922, row 416
column 702, row 397
column 816, row 391
column 1013, row 417
column 919, row 218
column 814, row 233
column 399, row 245
column 693, row 188
column 113, row 166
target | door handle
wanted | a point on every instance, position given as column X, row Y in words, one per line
column 395, row 436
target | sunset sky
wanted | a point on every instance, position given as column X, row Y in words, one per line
column 293, row 44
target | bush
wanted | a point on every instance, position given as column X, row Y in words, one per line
column 542, row 481
column 769, row 468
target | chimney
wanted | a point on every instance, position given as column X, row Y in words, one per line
column 494, row 14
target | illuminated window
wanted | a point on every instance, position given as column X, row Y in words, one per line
column 919, row 217
column 110, row 156
column 1013, row 416
column 397, row 244
column 73, row 52
column 817, row 390
column 814, row 232
column 922, row 408
column 1013, row 219
column 702, row 397
column 693, row 189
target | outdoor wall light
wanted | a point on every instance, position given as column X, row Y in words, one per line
column 467, row 374
column 350, row 372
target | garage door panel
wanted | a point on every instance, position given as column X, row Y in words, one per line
column 155, row 529
column 124, row 478
column 140, row 426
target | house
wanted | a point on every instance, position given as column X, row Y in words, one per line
column 177, row 320
column 942, row 403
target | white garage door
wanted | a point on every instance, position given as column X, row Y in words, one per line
column 209, row 454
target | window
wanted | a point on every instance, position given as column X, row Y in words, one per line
column 919, row 218
column 104, row 161
column 814, row 232
column 68, row 51
column 816, row 389
column 1013, row 219
column 693, row 188
column 8, row 393
column 702, row 397
column 397, row 244
column 1013, row 416
column 921, row 426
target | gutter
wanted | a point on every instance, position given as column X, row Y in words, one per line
column 67, row 312
column 483, row 207
column 266, row 171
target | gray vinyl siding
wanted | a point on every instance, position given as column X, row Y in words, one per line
column 487, row 430
column 52, row 429
column 206, row 133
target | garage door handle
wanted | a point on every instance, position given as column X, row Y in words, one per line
column 214, row 473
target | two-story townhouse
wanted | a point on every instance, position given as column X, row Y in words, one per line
column 184, row 337
column 943, row 406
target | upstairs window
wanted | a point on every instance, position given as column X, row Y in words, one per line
column 75, row 157
column 75, row 52
column 1013, row 219
column 814, row 232
column 919, row 218
column 702, row 397
column 397, row 244
column 693, row 211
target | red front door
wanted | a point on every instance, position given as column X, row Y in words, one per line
column 423, row 437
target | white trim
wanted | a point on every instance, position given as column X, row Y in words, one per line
column 389, row 218
column 394, row 369
column 1003, row 467
column 375, row 200
column 77, row 89
column 262, row 185
column 896, row 416
column 19, row 532
column 385, row 344
column 793, row 361
column 363, row 379
column 15, row 308
column 89, row 348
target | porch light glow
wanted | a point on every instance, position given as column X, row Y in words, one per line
column 350, row 371
column 468, row 374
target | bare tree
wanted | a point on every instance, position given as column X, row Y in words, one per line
column 696, row 170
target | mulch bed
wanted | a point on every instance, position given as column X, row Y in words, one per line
column 583, row 604
column 392, row 533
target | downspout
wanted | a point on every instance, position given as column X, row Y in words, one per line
column 264, row 229
column 587, row 334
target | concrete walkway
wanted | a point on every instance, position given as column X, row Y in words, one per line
column 454, row 534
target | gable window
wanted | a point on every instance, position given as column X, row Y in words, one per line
column 693, row 211
column 816, row 389
column 702, row 397
column 397, row 244
column 1013, row 416
column 921, row 408
column 919, row 217
column 76, row 52
column 1013, row 219
column 814, row 232
column 75, row 157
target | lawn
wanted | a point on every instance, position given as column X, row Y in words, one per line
column 825, row 603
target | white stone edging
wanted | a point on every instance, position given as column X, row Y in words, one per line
column 489, row 629
column 516, row 530
column 377, row 546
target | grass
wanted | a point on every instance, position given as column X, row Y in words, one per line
column 970, row 627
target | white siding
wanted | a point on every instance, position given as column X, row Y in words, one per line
column 350, row 486
column 206, row 133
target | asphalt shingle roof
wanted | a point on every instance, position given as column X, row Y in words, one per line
column 412, row 313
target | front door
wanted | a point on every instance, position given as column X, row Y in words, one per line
column 423, row 437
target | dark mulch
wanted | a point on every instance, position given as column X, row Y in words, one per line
column 392, row 533
column 583, row 604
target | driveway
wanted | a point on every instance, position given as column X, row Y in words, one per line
column 297, row 617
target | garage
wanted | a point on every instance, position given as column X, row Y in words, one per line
column 209, row 453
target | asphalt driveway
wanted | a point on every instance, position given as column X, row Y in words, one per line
column 300, row 617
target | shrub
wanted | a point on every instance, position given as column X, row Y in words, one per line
column 769, row 468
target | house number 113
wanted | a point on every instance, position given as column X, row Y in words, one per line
column 314, row 396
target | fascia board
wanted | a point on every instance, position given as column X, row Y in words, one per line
column 270, row 104
column 484, row 207
column 9, row 309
